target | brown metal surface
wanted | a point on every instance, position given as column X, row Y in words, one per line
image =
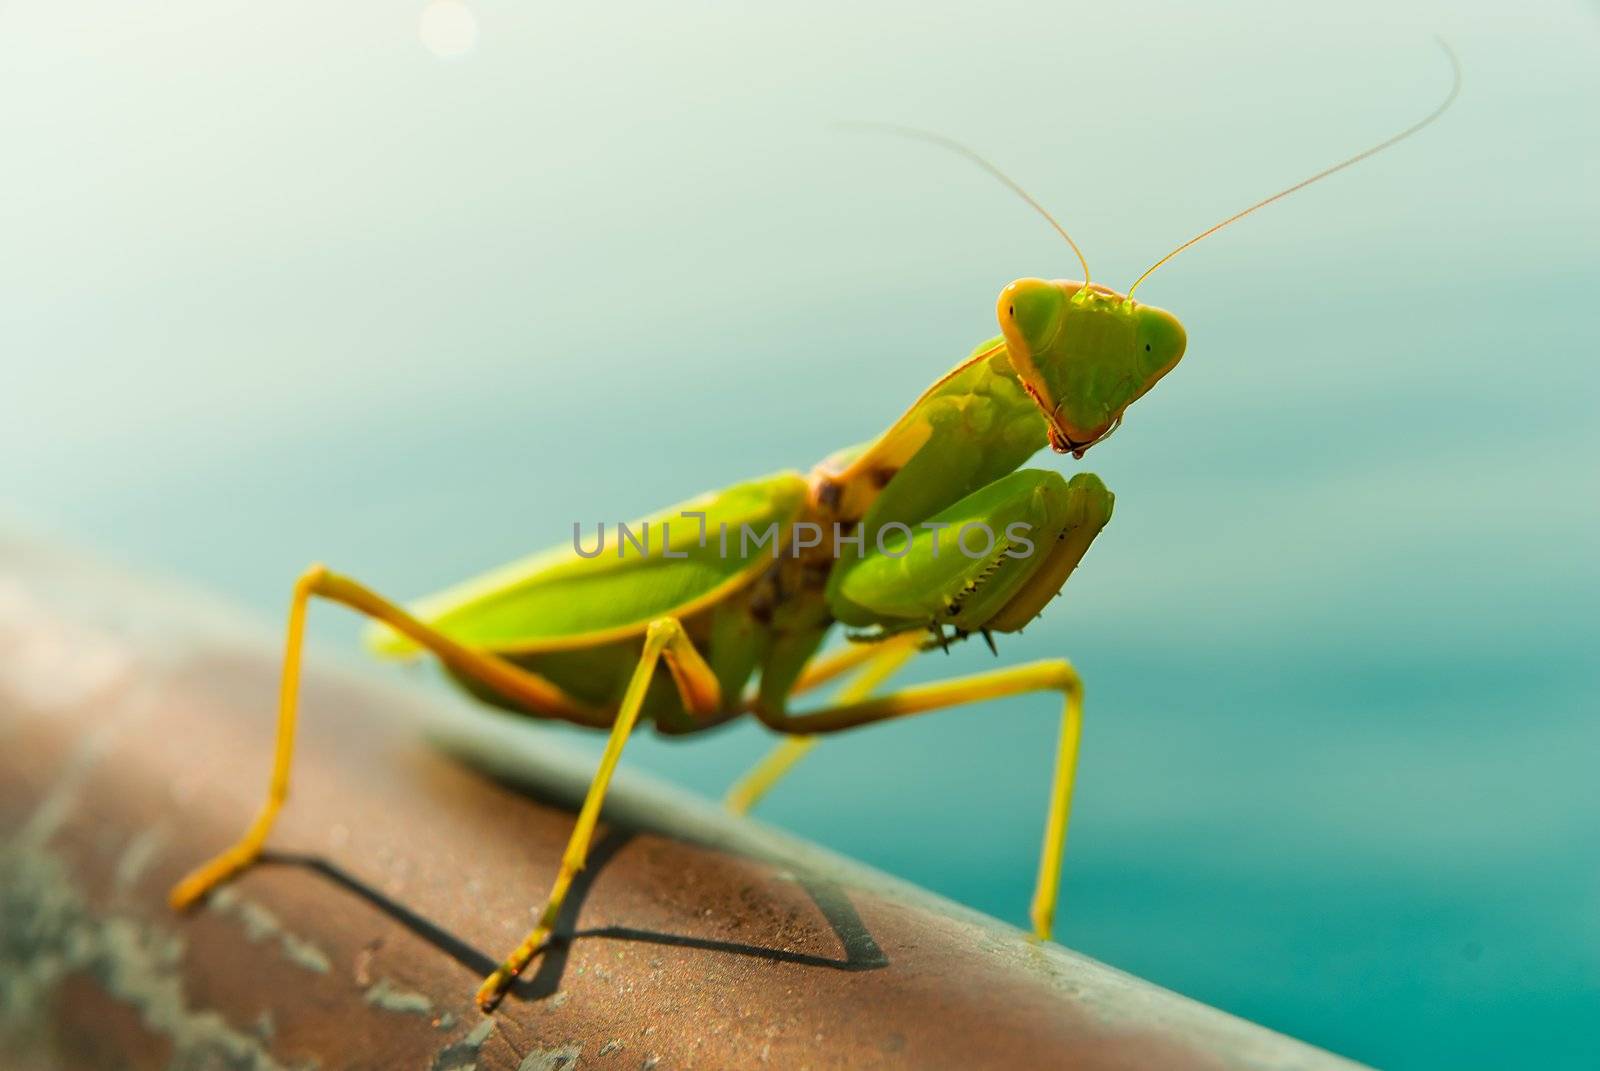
column 135, row 729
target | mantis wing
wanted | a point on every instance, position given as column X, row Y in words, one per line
column 560, row 599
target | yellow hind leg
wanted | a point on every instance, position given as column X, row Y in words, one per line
column 515, row 683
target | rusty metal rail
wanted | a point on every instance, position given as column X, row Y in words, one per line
column 135, row 729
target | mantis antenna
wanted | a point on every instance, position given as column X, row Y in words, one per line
column 1455, row 89
column 960, row 149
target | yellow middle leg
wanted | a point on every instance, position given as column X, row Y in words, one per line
column 701, row 695
column 1056, row 675
column 878, row 661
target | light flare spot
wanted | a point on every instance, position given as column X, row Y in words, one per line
column 447, row 28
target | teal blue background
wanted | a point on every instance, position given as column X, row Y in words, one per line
column 277, row 285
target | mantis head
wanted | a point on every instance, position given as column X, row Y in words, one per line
column 1084, row 353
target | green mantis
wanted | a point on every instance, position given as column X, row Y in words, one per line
column 721, row 607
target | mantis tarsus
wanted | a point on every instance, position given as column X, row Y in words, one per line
column 676, row 633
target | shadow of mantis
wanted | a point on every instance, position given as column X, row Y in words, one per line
column 861, row 952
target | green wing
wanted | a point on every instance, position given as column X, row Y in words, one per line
column 560, row 599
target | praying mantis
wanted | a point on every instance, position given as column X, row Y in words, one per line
column 689, row 631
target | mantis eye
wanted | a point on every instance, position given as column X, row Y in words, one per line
column 1030, row 312
column 1161, row 340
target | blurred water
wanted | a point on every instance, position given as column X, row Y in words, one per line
column 279, row 285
